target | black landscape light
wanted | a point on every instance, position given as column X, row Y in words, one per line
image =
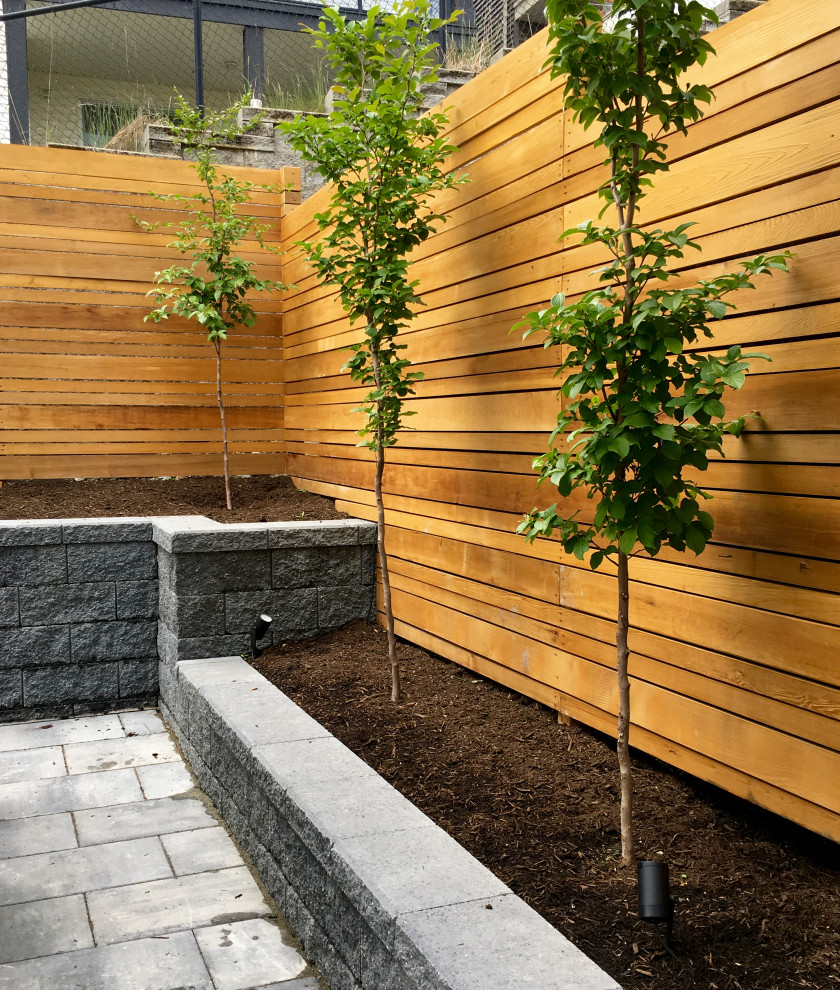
column 656, row 902
column 261, row 627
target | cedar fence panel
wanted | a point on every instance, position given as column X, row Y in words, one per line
column 734, row 665
column 86, row 387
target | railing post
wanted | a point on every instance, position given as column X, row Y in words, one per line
column 198, row 48
column 17, row 73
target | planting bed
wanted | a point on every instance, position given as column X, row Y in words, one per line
column 262, row 498
column 536, row 802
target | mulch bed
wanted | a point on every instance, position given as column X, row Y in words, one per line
column 261, row 498
column 537, row 802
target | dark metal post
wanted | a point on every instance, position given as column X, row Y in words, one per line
column 443, row 13
column 17, row 73
column 199, row 55
column 253, row 56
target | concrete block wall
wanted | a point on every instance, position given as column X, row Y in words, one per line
column 381, row 898
column 78, row 616
column 215, row 580
column 93, row 611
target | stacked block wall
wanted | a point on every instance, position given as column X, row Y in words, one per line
column 78, row 611
column 89, row 610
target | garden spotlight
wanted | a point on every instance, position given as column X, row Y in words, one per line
column 261, row 627
column 656, row 903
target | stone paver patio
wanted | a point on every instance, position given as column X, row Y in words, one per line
column 116, row 875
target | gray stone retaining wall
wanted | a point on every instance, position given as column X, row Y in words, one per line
column 78, row 611
column 90, row 609
column 381, row 898
column 215, row 579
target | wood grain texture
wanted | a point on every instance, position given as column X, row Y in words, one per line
column 734, row 653
column 83, row 375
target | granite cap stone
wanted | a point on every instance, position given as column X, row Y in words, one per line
column 461, row 946
column 389, row 874
column 121, row 529
column 314, row 533
column 29, row 532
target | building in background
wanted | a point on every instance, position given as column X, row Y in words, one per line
column 79, row 76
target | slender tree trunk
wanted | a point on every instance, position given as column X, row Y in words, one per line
column 628, row 855
column 380, row 528
column 218, row 345
column 386, row 580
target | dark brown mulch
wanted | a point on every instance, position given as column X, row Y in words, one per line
column 260, row 498
column 758, row 898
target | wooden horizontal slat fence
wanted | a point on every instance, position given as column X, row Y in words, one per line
column 87, row 389
column 735, row 654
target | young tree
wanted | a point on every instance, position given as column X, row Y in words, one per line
column 211, row 288
column 643, row 408
column 385, row 162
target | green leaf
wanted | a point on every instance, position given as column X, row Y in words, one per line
column 695, row 538
column 620, row 445
column 627, row 541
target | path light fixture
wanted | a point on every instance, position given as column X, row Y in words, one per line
column 261, row 627
column 656, row 902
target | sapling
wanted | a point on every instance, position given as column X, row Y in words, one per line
column 212, row 286
column 643, row 409
column 385, row 162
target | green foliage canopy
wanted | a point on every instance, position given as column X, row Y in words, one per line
column 642, row 407
column 212, row 287
column 386, row 163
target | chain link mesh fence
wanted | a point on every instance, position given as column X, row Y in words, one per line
column 92, row 73
column 499, row 25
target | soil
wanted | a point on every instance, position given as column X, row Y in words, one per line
column 260, row 498
column 758, row 898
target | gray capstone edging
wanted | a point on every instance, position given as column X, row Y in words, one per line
column 91, row 609
column 381, row 898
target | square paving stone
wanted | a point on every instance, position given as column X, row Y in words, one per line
column 168, row 905
column 26, row 836
column 28, row 798
column 248, row 954
column 31, row 764
column 115, row 754
column 71, row 871
column 141, row 819
column 142, row 723
column 42, row 928
column 165, row 780
column 33, row 735
column 172, row 963
column 201, row 851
